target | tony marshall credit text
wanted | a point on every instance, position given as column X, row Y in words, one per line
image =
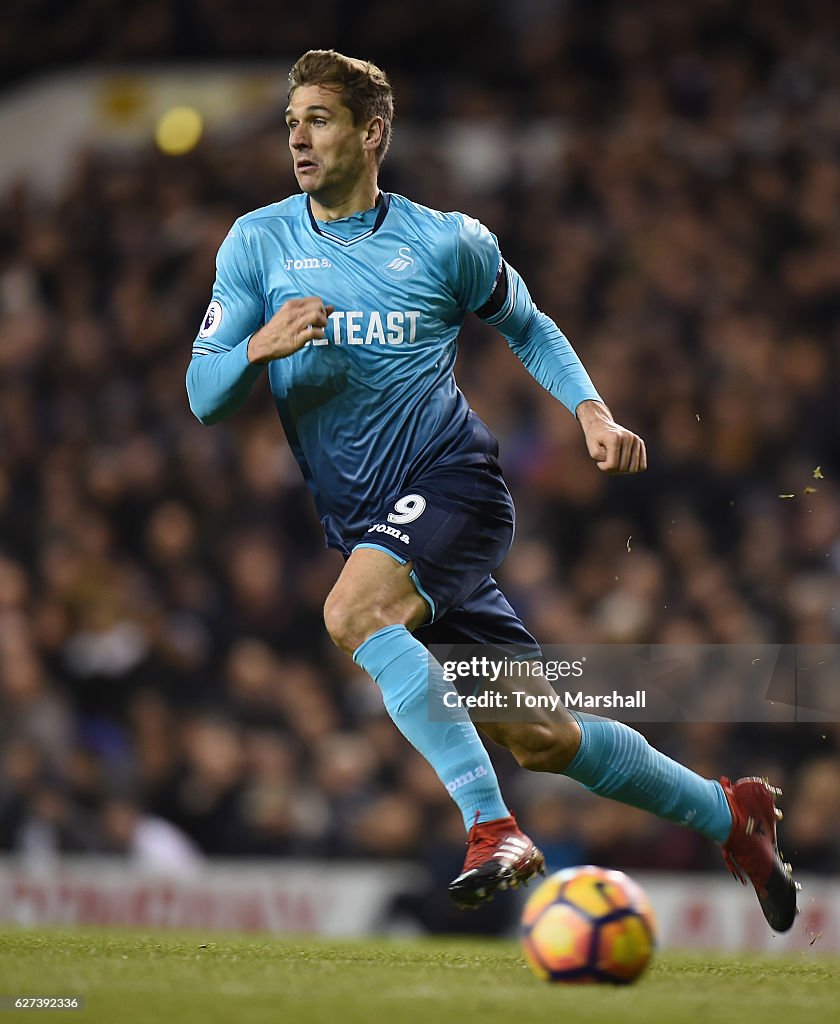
column 523, row 699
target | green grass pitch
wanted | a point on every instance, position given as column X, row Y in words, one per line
column 195, row 978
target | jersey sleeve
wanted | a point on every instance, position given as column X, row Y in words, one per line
column 540, row 345
column 237, row 307
column 219, row 376
column 478, row 263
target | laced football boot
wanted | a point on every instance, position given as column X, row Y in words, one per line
column 751, row 852
column 499, row 856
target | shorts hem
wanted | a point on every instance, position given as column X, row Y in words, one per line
column 381, row 547
column 418, row 586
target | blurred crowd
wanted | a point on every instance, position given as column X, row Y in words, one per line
column 667, row 179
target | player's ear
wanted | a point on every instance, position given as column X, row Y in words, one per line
column 373, row 134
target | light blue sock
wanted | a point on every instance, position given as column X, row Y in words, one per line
column 401, row 667
column 618, row 762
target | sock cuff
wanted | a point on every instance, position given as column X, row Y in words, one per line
column 381, row 648
column 583, row 750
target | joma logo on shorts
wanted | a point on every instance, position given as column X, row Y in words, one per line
column 391, row 531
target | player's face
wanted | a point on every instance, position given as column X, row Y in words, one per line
column 327, row 147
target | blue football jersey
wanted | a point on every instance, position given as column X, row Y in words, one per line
column 373, row 404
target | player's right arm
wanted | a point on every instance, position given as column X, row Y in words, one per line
column 220, row 375
column 234, row 342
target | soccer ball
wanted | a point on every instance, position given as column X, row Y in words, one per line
column 588, row 924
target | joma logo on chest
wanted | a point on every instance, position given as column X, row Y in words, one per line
column 308, row 263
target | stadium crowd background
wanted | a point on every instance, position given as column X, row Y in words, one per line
column 167, row 690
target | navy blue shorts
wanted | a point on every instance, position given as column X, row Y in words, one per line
column 455, row 526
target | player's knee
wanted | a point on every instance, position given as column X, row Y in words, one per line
column 350, row 622
column 548, row 747
column 339, row 620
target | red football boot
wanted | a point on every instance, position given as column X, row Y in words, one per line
column 499, row 856
column 751, row 851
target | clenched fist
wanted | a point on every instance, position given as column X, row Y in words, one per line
column 614, row 448
column 294, row 324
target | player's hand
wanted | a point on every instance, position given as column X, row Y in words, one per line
column 614, row 448
column 295, row 323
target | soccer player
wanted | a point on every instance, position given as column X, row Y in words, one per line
column 351, row 300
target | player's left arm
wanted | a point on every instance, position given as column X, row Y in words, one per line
column 549, row 357
column 542, row 348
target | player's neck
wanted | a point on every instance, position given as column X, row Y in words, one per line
column 363, row 197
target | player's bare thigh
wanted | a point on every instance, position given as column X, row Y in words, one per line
column 373, row 591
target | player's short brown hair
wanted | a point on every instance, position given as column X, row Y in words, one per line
column 364, row 88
